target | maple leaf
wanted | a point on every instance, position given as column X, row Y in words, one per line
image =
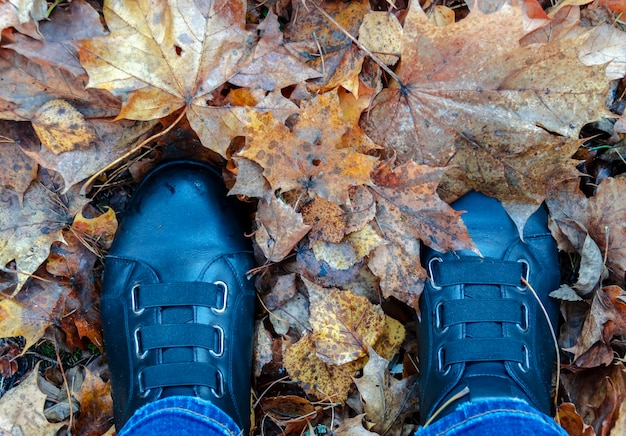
column 315, row 152
column 502, row 117
column 164, row 56
column 21, row 409
column 386, row 400
column 409, row 210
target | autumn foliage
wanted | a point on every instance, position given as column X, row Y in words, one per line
column 347, row 128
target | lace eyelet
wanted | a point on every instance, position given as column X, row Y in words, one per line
column 525, row 365
column 443, row 369
column 219, row 391
column 139, row 351
column 439, row 318
column 220, row 342
column 525, row 319
column 134, row 305
column 143, row 392
column 224, row 300
column 526, row 269
column 431, row 278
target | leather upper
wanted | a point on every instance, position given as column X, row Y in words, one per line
column 176, row 305
column 481, row 328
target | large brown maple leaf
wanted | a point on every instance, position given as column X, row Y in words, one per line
column 503, row 117
column 162, row 56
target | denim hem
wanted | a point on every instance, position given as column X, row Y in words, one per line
column 494, row 417
column 181, row 416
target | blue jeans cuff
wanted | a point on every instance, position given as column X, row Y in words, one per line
column 494, row 417
column 181, row 416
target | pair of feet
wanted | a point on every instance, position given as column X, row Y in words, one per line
column 178, row 310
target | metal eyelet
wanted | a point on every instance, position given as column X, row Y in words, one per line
column 133, row 300
column 525, row 319
column 525, row 365
column 443, row 369
column 224, row 287
column 430, row 273
column 220, row 342
column 143, row 392
column 219, row 391
column 139, row 351
column 439, row 318
column 526, row 268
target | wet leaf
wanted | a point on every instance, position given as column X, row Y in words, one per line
column 96, row 405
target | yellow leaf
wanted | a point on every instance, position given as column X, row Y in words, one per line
column 381, row 33
column 62, row 128
column 344, row 324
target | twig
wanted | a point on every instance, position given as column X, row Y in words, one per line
column 375, row 58
column 88, row 183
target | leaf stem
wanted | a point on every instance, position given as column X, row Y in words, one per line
column 375, row 58
column 91, row 179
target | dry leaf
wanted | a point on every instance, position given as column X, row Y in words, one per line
column 328, row 382
column 572, row 422
column 502, row 117
column 21, row 410
column 344, row 324
column 280, row 228
column 381, row 33
column 272, row 66
column 386, row 400
column 96, row 406
column 62, row 128
column 326, row 220
column 354, row 427
column 19, row 170
column 314, row 151
column 26, row 231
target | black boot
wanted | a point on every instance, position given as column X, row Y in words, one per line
column 483, row 334
column 176, row 306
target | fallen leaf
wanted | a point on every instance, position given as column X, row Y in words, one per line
column 164, row 57
column 328, row 382
column 96, row 406
column 28, row 85
column 250, row 181
column 272, row 66
column 64, row 26
column 289, row 411
column 262, row 348
column 386, row 400
column 313, row 35
column 314, row 152
column 326, row 220
column 12, row 15
column 62, row 128
column 598, row 395
column 21, row 410
column 344, row 324
column 381, row 33
column 113, row 140
column 605, row 320
column 441, row 16
column 19, row 169
column 501, row 117
column 100, row 229
column 571, row 421
column 280, row 228
column 27, row 230
column 354, row 427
